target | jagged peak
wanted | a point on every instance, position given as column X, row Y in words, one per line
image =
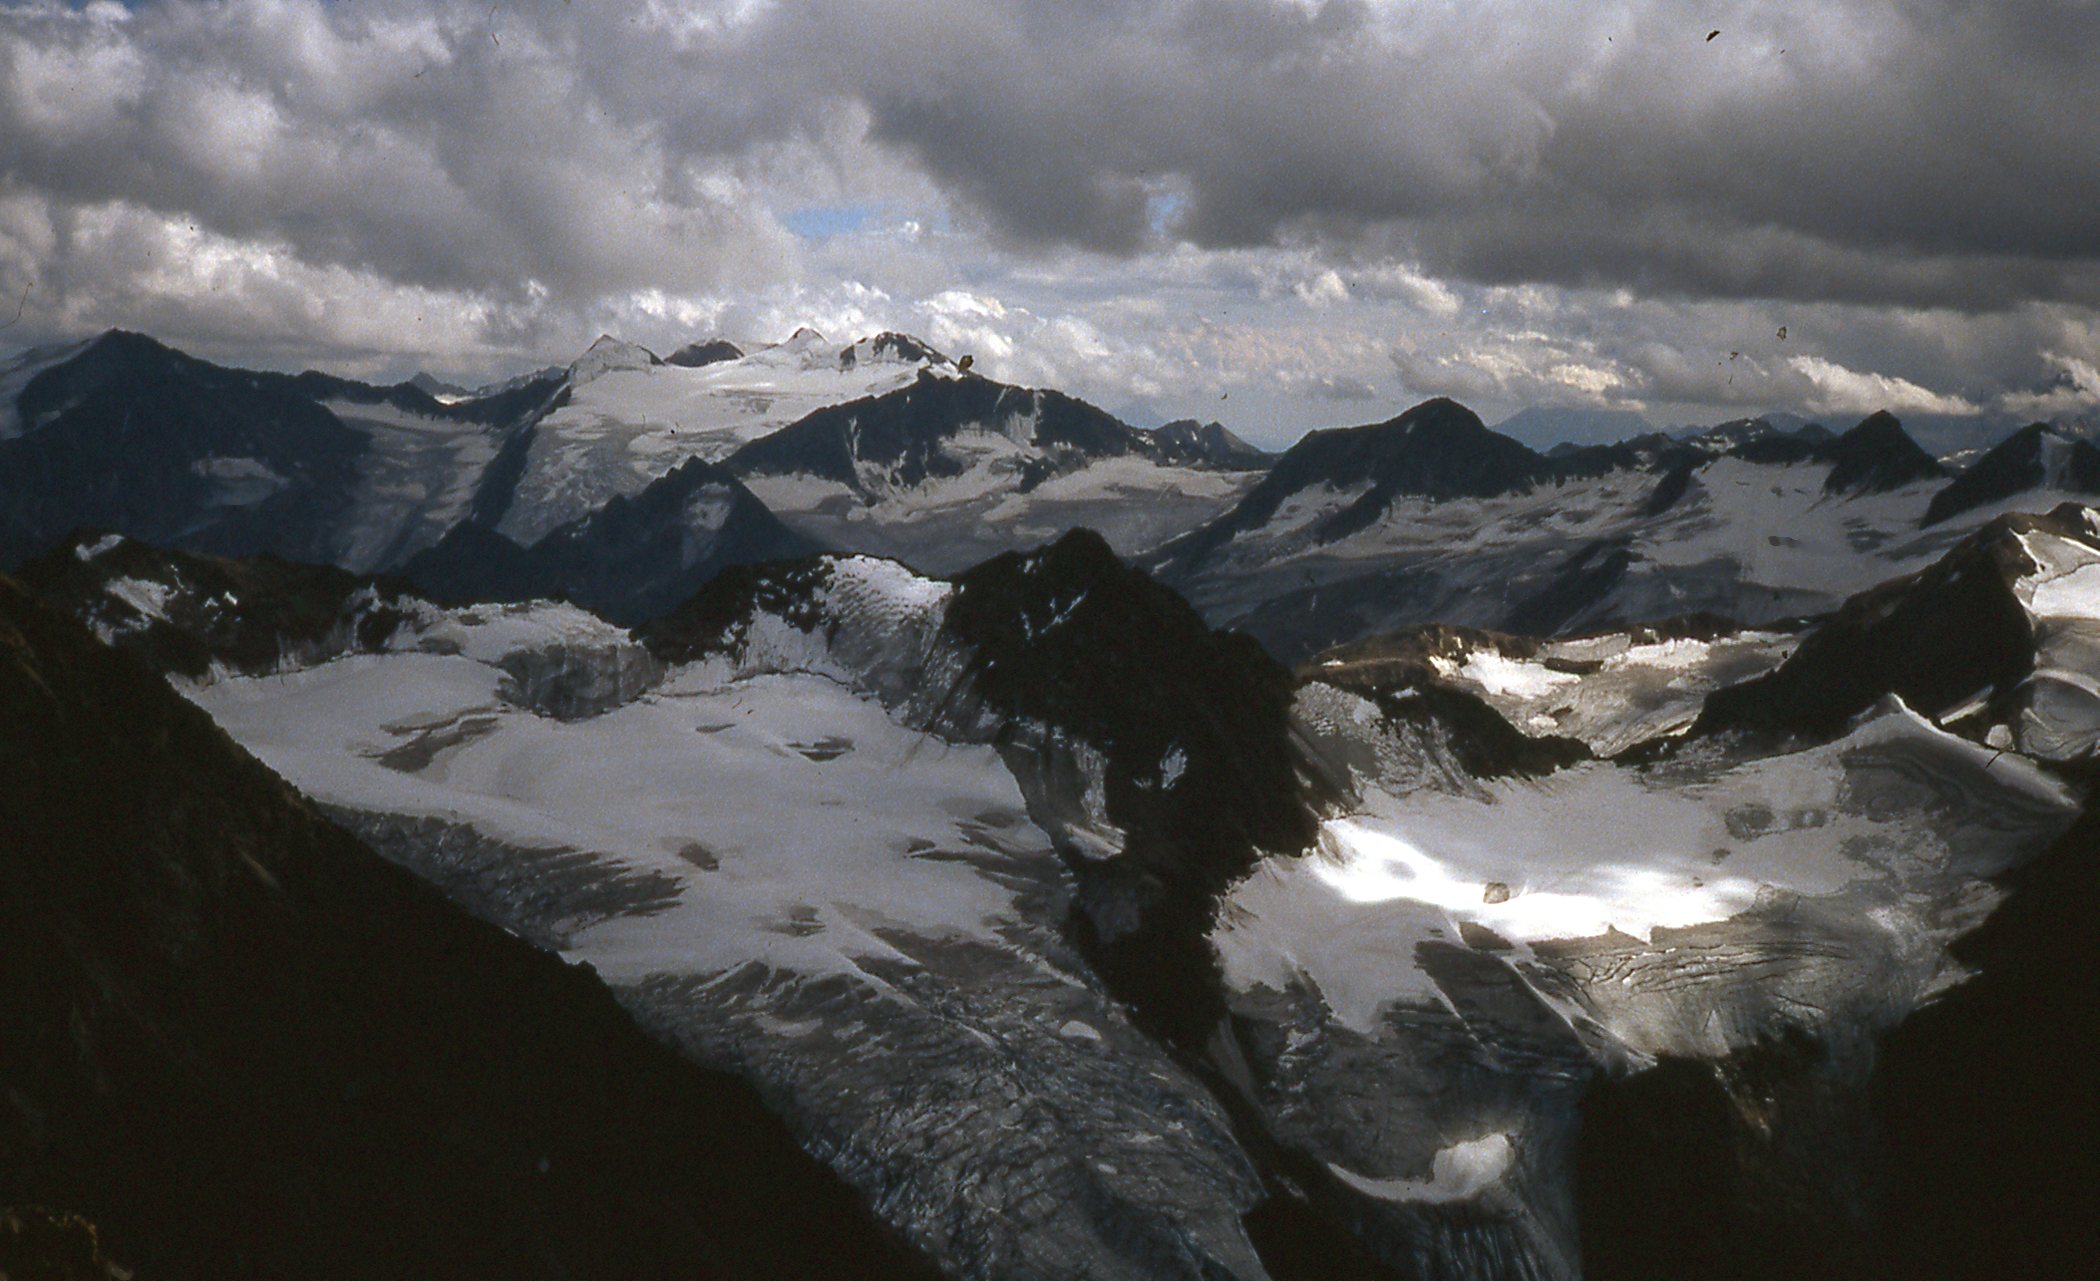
column 889, row 347
column 2037, row 456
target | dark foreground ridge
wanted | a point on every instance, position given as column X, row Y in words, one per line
column 243, row 1046
column 248, row 614
column 1986, row 1098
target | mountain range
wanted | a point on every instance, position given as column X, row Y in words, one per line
column 883, row 447
column 814, row 810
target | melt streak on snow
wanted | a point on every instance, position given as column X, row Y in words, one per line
column 415, row 481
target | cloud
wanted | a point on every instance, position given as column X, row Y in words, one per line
column 1157, row 202
column 1936, row 153
column 1835, row 389
column 2074, row 390
column 438, row 150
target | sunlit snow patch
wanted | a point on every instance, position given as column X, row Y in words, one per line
column 1457, row 1173
column 1897, row 808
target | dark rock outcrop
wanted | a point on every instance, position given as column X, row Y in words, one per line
column 248, row 615
column 901, row 436
column 1983, row 1097
column 1070, row 637
column 1439, row 449
column 1933, row 638
column 2014, row 466
column 631, row 560
column 1208, row 444
column 1877, row 455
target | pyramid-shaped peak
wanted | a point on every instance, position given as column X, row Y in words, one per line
column 1440, row 414
column 805, row 349
column 1877, row 455
column 608, row 354
column 1881, row 424
column 1187, row 440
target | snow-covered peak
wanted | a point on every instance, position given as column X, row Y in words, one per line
column 889, row 348
column 16, row 371
column 608, row 354
column 804, row 349
column 707, row 351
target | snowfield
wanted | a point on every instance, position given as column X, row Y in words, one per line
column 2059, row 717
column 946, row 524
column 781, row 877
column 1760, row 543
column 803, row 843
column 626, row 422
column 1891, row 817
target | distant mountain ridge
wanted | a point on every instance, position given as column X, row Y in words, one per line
column 896, row 440
column 1187, row 440
column 2035, row 457
column 1439, row 449
column 883, row 446
column 949, row 470
column 129, row 433
column 1433, row 517
column 629, row 561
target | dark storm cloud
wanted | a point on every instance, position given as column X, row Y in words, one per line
column 439, row 175
column 1935, row 152
column 417, row 144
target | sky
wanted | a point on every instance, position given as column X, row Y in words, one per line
column 1279, row 214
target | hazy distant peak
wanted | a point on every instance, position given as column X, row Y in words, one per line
column 707, row 351
column 608, row 354
column 892, row 348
